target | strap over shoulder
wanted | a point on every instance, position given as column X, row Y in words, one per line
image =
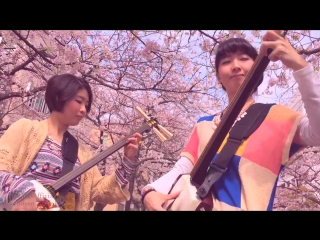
column 240, row 131
column 69, row 147
column 69, row 150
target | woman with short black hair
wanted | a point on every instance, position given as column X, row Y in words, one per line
column 32, row 150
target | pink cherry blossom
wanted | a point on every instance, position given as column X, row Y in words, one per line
column 169, row 74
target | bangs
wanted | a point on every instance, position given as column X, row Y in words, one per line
column 234, row 45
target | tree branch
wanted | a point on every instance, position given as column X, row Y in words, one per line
column 23, row 65
column 309, row 52
column 22, row 94
column 32, row 47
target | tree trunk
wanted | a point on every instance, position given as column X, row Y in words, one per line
column 131, row 187
column 131, row 184
column 100, row 206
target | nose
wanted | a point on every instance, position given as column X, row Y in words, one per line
column 83, row 109
column 236, row 65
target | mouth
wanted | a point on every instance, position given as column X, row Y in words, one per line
column 239, row 75
column 79, row 117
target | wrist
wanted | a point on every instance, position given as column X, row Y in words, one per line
column 133, row 159
column 130, row 163
column 145, row 191
column 300, row 65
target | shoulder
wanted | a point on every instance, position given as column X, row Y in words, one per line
column 22, row 130
column 280, row 112
column 23, row 121
column 24, row 124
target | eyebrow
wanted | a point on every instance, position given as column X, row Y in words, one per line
column 82, row 98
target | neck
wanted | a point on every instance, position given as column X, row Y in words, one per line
column 55, row 127
column 249, row 101
column 231, row 96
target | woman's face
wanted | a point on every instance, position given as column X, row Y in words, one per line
column 75, row 109
column 232, row 70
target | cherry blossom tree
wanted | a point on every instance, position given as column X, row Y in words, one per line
column 169, row 74
column 299, row 183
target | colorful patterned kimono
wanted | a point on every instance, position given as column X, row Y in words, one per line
column 251, row 178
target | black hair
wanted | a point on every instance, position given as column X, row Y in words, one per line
column 233, row 45
column 64, row 87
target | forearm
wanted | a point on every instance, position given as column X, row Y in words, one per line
column 164, row 183
column 308, row 131
column 14, row 188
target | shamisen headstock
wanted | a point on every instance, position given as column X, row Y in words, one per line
column 159, row 130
